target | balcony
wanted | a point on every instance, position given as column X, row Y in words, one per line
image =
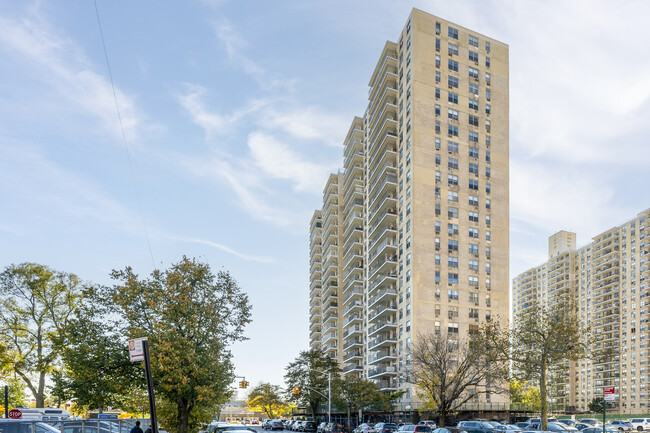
column 385, row 370
column 382, row 341
column 381, row 311
column 385, row 294
column 331, row 306
column 352, row 355
column 382, row 325
column 382, row 356
column 356, row 305
column 352, row 368
column 352, row 343
column 355, row 330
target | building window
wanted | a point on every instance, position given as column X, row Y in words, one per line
column 473, row 104
column 437, row 242
column 453, row 33
column 453, row 65
column 452, row 328
column 437, row 60
column 437, row 110
column 487, row 188
column 473, row 232
column 452, row 163
column 473, row 184
column 408, row 275
column 487, row 157
column 437, row 27
column 473, row 73
column 487, row 268
column 473, row 281
column 473, row 152
column 473, row 266
column 487, row 109
column 488, row 94
column 452, row 114
column 437, row 209
column 452, row 197
column 452, row 262
column 488, row 78
column 437, row 259
column 437, row 176
column 487, row 46
column 437, row 127
column 473, row 88
column 452, row 229
column 473, row 57
column 452, row 180
column 487, row 172
column 473, row 168
column 437, row 143
column 487, row 252
column 452, row 245
column 488, row 235
column 437, row 76
column 473, row 120
column 473, row 249
column 487, row 62
column 453, row 49
column 437, row 93
column 473, row 136
column 408, row 242
column 473, row 200
column 452, row 212
column 452, row 130
column 452, row 147
column 453, row 98
column 437, row 44
column 452, row 81
column 488, row 220
column 473, row 217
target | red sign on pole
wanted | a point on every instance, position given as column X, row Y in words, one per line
column 609, row 393
column 15, row 414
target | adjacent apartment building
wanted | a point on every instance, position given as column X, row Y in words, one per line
column 610, row 279
column 412, row 236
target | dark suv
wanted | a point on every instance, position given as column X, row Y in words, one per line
column 385, row 427
column 476, row 427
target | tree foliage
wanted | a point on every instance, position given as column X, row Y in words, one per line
column 267, row 398
column 450, row 372
column 352, row 394
column 36, row 304
column 596, row 405
column 305, row 373
column 97, row 371
column 524, row 395
column 190, row 317
column 542, row 337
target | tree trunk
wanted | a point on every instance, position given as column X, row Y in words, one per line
column 349, row 421
column 183, row 416
column 443, row 415
column 542, row 394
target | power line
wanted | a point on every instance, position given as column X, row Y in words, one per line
column 126, row 146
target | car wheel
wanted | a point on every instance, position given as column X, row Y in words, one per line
column 639, row 428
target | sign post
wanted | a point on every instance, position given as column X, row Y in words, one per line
column 609, row 394
column 6, row 401
column 139, row 351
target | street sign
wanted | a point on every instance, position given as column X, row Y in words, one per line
column 136, row 352
column 609, row 393
column 15, row 414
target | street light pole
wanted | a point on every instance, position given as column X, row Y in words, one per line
column 329, row 392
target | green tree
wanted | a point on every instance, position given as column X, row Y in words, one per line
column 353, row 394
column 267, row 398
column 450, row 372
column 524, row 396
column 306, row 373
column 97, row 372
column 539, row 339
column 35, row 307
column 17, row 395
column 190, row 317
column 596, row 405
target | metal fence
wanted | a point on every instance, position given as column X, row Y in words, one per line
column 73, row 426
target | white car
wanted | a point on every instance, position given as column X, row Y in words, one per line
column 640, row 424
column 620, row 425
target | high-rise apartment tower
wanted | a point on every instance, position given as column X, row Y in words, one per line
column 412, row 237
column 609, row 279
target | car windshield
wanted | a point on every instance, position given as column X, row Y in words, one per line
column 556, row 427
column 487, row 425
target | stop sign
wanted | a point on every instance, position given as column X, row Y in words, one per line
column 15, row 414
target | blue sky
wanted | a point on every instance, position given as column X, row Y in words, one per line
column 235, row 112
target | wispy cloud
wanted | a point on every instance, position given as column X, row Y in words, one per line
column 57, row 61
column 226, row 249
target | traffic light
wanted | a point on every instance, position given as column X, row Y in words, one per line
column 243, row 384
column 296, row 390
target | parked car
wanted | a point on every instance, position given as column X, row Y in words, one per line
column 385, row 427
column 321, row 427
column 590, row 421
column 582, row 426
column 476, row 427
column 364, row 428
column 600, row 430
column 335, row 428
column 410, row 428
column 273, row 424
column 566, row 421
column 640, row 424
column 448, row 430
column 620, row 425
column 494, row 423
column 508, row 428
column 428, row 423
column 552, row 427
column 308, row 426
column 522, row 425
